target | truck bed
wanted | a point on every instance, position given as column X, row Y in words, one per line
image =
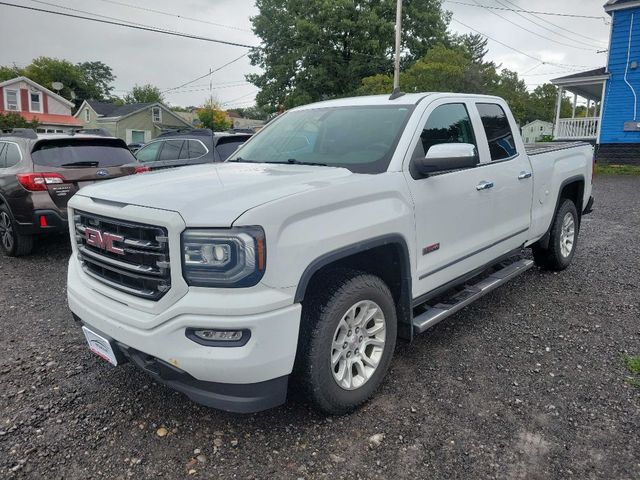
column 539, row 148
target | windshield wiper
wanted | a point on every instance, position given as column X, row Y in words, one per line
column 293, row 161
column 81, row 164
column 243, row 160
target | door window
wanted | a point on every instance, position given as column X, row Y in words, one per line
column 149, row 153
column 171, row 150
column 226, row 147
column 496, row 125
column 448, row 123
column 3, row 160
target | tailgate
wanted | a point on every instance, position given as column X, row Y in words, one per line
column 80, row 162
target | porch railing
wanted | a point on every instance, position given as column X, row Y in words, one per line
column 569, row 128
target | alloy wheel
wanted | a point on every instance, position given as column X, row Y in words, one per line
column 6, row 231
column 358, row 345
column 567, row 235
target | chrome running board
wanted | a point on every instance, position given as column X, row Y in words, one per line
column 472, row 292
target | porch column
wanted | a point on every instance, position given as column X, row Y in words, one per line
column 575, row 103
column 604, row 90
column 556, row 127
column 589, row 108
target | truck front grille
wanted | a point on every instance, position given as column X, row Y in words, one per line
column 130, row 257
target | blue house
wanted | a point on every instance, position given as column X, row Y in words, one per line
column 612, row 93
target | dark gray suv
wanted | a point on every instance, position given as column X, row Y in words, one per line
column 191, row 146
column 39, row 173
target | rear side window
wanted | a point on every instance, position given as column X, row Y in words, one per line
column 196, row 149
column 3, row 157
column 496, row 125
column 12, row 155
column 81, row 152
column 171, row 150
column 226, row 146
column 448, row 123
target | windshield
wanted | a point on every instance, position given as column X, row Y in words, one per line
column 82, row 152
column 361, row 139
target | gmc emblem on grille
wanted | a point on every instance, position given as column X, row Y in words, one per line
column 103, row 240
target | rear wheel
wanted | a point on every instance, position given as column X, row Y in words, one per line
column 12, row 243
column 563, row 239
column 347, row 339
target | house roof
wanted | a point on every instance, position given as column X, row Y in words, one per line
column 51, row 119
column 620, row 4
column 39, row 87
column 538, row 121
column 597, row 72
column 107, row 109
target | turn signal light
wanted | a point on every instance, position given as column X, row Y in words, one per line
column 38, row 182
column 219, row 338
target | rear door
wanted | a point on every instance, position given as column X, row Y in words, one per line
column 81, row 161
column 509, row 169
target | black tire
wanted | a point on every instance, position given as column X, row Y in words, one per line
column 12, row 244
column 333, row 296
column 554, row 257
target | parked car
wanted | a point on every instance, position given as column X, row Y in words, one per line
column 134, row 147
column 39, row 173
column 192, row 146
column 343, row 226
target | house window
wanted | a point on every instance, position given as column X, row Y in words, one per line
column 35, row 102
column 11, row 100
column 156, row 114
column 86, row 115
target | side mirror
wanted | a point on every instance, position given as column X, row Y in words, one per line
column 447, row 156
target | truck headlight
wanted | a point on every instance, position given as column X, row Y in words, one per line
column 233, row 257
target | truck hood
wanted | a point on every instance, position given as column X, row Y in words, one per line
column 214, row 195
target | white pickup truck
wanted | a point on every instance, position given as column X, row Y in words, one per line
column 338, row 229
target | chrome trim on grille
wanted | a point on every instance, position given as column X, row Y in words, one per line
column 142, row 267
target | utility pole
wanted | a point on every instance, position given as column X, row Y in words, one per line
column 396, row 73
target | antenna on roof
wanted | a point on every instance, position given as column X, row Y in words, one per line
column 396, row 72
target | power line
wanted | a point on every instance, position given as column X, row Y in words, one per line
column 529, row 11
column 240, row 98
column 169, row 14
column 208, row 74
column 582, row 42
column 130, row 25
column 535, row 33
column 516, row 50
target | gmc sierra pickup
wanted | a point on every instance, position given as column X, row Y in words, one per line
column 338, row 229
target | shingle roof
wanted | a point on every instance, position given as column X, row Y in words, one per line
column 112, row 110
column 598, row 72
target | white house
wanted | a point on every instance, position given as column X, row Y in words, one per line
column 534, row 131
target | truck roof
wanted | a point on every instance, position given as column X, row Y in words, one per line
column 375, row 100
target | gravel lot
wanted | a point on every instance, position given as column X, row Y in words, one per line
column 527, row 383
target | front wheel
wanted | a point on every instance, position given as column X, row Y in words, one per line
column 562, row 241
column 347, row 339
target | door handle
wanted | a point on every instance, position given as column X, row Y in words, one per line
column 524, row 175
column 484, row 186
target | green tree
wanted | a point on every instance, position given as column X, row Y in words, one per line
column 513, row 89
column 322, row 49
column 144, row 94
column 13, row 120
column 82, row 81
column 542, row 103
column 211, row 116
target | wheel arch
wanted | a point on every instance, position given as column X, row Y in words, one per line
column 571, row 188
column 389, row 251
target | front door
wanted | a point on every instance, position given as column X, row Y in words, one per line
column 453, row 216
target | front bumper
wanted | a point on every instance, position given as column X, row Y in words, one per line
column 244, row 379
column 236, row 398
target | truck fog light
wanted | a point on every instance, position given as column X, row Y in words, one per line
column 218, row 338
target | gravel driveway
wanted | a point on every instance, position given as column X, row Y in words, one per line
column 527, row 383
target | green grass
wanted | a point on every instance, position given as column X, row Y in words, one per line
column 617, row 170
column 633, row 365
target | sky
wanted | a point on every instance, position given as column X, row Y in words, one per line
column 537, row 50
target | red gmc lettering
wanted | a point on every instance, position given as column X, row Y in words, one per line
column 103, row 240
